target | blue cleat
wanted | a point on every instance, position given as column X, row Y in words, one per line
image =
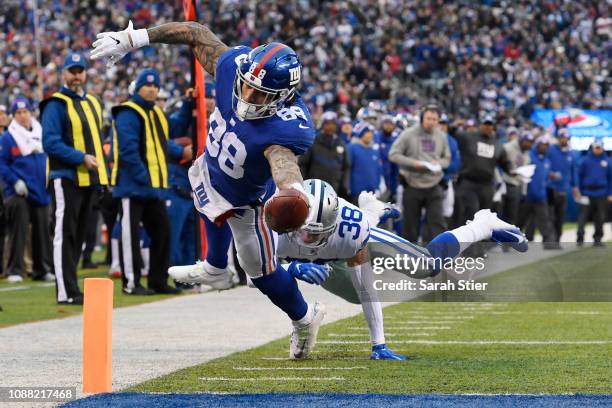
column 512, row 236
column 381, row 352
column 390, row 212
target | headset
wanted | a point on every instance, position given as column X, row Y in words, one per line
column 430, row 107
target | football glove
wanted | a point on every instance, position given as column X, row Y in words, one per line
column 116, row 44
column 309, row 272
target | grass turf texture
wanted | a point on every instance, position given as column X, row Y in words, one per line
column 478, row 365
column 37, row 300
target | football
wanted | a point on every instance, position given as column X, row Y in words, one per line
column 286, row 211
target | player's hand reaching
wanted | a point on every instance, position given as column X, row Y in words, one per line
column 309, row 272
column 116, row 44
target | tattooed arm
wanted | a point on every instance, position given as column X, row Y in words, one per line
column 284, row 166
column 206, row 45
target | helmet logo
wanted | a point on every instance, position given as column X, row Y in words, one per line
column 262, row 72
column 295, row 75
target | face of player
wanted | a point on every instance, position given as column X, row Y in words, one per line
column 597, row 150
column 563, row 141
column 23, row 117
column 430, row 120
column 74, row 78
column 526, row 144
column 252, row 95
column 149, row 92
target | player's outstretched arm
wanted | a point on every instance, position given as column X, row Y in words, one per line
column 284, row 167
column 206, row 45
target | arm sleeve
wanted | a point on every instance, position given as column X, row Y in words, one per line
column 54, row 126
column 128, row 127
column 609, row 177
column 180, row 121
column 445, row 159
column 5, row 161
column 579, row 173
column 397, row 153
column 175, row 150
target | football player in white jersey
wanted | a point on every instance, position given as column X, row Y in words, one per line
column 341, row 231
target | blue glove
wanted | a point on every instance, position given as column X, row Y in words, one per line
column 390, row 212
column 309, row 272
column 381, row 352
column 512, row 236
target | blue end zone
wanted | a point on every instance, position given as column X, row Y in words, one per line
column 132, row 399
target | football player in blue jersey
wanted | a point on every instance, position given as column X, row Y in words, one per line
column 257, row 130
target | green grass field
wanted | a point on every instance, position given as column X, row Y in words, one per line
column 455, row 347
column 33, row 301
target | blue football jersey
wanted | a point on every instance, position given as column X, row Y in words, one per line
column 234, row 148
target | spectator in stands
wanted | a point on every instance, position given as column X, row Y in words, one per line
column 346, row 129
column 385, row 138
column 366, row 165
column 328, row 159
column 140, row 180
column 72, row 138
column 450, row 173
column 518, row 153
column 562, row 165
column 593, row 190
column 534, row 211
column 23, row 168
column 481, row 153
column 422, row 153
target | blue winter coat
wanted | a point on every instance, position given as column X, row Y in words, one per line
column 594, row 175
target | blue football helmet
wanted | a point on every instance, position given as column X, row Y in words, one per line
column 274, row 71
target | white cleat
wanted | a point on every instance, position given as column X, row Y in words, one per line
column 200, row 273
column 304, row 337
column 491, row 220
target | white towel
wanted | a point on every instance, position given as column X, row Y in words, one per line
column 28, row 141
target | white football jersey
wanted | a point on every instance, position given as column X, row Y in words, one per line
column 351, row 234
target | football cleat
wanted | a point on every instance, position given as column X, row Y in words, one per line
column 304, row 337
column 381, row 352
column 512, row 236
column 199, row 274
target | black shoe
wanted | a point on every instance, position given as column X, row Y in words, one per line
column 580, row 244
column 138, row 291
column 166, row 290
column 598, row 244
column 89, row 265
column 77, row 300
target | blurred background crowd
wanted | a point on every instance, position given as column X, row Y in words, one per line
column 380, row 77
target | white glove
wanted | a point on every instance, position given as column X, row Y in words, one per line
column 115, row 44
column 21, row 188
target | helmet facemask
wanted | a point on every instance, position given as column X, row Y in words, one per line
column 269, row 103
column 313, row 235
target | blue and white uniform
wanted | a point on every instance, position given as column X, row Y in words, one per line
column 234, row 177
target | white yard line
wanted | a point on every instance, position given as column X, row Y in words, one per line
column 403, row 328
column 273, row 379
column 482, row 342
column 404, row 334
column 298, row 368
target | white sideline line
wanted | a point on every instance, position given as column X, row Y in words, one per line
column 315, row 352
column 273, row 379
column 298, row 368
column 553, row 312
column 16, row 288
column 425, row 317
column 403, row 328
column 386, row 334
column 483, row 342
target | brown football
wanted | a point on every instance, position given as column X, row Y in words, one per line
column 286, row 211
